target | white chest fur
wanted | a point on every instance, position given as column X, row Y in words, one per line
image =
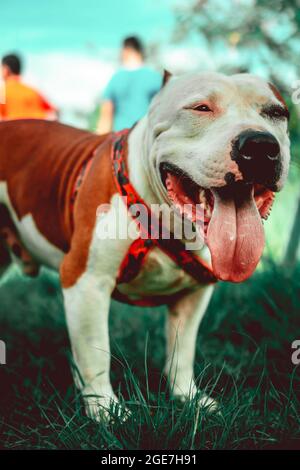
column 159, row 275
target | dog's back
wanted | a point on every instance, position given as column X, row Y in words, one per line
column 39, row 162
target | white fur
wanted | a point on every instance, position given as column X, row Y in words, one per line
column 40, row 248
column 200, row 144
column 181, row 331
column 87, row 307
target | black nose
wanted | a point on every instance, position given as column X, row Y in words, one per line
column 257, row 155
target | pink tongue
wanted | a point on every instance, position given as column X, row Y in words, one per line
column 235, row 237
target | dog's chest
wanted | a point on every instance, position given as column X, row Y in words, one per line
column 159, row 275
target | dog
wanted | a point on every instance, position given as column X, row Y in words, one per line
column 209, row 139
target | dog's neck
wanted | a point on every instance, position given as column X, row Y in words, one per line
column 137, row 161
column 139, row 146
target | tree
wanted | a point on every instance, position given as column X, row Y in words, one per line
column 261, row 32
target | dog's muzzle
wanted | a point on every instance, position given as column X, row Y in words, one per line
column 257, row 155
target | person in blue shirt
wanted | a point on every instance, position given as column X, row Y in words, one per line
column 130, row 90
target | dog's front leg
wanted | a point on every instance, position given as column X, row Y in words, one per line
column 182, row 325
column 87, row 307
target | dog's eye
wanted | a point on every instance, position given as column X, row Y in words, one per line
column 202, row 108
column 276, row 112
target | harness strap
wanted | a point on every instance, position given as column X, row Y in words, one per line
column 153, row 233
column 85, row 168
column 80, row 177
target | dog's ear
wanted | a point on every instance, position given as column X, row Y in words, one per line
column 166, row 77
column 278, row 95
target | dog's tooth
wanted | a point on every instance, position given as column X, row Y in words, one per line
column 208, row 212
column 202, row 197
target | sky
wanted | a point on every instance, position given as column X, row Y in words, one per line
column 36, row 25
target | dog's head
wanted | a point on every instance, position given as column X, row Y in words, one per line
column 221, row 142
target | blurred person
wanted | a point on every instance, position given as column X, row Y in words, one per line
column 20, row 100
column 130, row 90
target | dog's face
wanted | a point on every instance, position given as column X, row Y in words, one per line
column 221, row 142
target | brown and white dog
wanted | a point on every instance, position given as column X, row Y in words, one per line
column 210, row 139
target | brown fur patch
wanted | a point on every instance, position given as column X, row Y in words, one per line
column 166, row 77
column 97, row 188
column 40, row 161
column 277, row 94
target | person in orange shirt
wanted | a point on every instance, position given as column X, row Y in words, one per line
column 19, row 100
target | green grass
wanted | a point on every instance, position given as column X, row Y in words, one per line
column 243, row 359
column 278, row 225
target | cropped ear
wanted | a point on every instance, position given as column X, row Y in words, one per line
column 277, row 94
column 166, row 77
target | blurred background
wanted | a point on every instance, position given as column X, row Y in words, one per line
column 71, row 49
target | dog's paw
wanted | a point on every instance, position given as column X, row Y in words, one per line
column 184, row 390
column 104, row 406
column 208, row 403
column 185, row 393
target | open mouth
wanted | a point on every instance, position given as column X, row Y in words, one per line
column 230, row 217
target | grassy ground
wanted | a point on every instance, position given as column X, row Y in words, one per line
column 243, row 360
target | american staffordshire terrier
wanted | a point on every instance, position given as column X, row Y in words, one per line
column 208, row 139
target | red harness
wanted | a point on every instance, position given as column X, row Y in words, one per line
column 152, row 234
